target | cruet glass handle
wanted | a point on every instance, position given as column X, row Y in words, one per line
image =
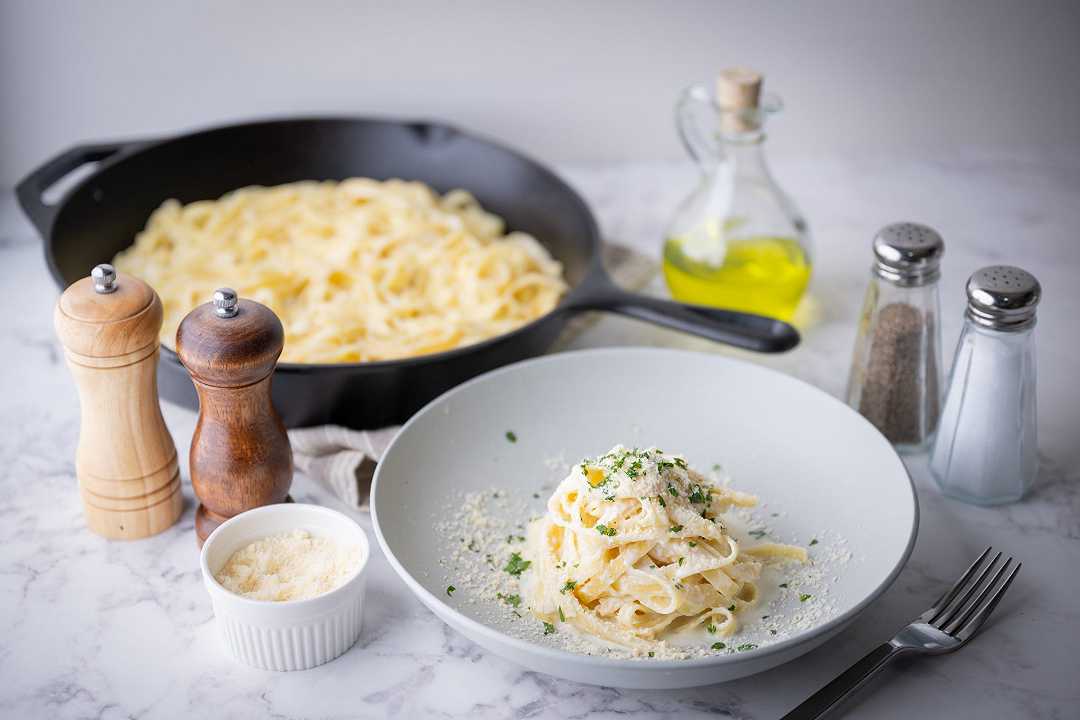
column 696, row 116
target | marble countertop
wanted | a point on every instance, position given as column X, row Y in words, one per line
column 92, row 628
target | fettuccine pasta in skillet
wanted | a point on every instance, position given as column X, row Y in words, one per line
column 358, row 270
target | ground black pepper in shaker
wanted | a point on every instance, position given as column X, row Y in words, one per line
column 895, row 379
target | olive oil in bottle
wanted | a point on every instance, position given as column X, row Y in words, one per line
column 765, row 275
column 738, row 242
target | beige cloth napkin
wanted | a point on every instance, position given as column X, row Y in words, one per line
column 343, row 461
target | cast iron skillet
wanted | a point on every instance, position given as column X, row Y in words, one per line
column 102, row 214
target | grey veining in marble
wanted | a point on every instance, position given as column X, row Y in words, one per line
column 91, row 628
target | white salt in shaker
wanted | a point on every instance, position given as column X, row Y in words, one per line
column 985, row 449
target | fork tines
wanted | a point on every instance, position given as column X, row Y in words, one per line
column 967, row 604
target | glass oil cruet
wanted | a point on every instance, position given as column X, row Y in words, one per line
column 737, row 242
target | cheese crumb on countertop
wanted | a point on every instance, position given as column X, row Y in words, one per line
column 289, row 566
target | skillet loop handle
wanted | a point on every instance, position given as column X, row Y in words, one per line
column 31, row 188
column 742, row 330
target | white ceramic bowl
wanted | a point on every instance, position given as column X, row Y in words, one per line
column 293, row 635
column 822, row 467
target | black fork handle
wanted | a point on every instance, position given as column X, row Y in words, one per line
column 829, row 697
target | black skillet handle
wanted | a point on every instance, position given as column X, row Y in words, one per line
column 31, row 188
column 752, row 332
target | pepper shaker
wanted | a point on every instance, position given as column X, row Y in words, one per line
column 240, row 455
column 126, row 461
column 895, row 379
column 985, row 451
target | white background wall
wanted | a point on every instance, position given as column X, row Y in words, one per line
column 566, row 81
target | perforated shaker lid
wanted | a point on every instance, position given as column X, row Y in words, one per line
column 1003, row 297
column 908, row 253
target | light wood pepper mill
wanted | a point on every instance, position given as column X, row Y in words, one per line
column 126, row 462
column 240, row 454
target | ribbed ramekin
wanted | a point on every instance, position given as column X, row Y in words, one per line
column 292, row 635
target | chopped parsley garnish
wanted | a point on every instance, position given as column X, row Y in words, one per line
column 549, row 629
column 511, row 436
column 783, row 585
column 605, row 530
column 511, row 600
column 692, row 544
column 813, row 541
column 680, row 462
column 660, row 499
column 663, row 465
column 512, row 538
column 710, row 628
column 757, row 534
column 473, row 546
column 681, row 561
column 450, row 590
column 772, row 632
column 652, row 654
column 764, row 617
column 746, row 646
column 671, row 489
column 718, row 646
column 675, row 528
column 570, row 585
column 731, row 607
column 697, row 495
column 515, row 565
column 804, row 597
column 562, row 618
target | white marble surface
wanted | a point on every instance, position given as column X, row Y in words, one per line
column 90, row 628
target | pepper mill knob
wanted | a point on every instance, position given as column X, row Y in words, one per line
column 240, row 455
column 104, row 276
column 126, row 461
column 225, row 302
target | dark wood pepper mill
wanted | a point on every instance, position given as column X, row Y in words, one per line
column 240, row 454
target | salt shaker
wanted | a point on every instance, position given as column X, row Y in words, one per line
column 985, row 449
column 895, row 379
column 126, row 461
column 240, row 455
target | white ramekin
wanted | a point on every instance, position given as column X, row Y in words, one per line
column 293, row 635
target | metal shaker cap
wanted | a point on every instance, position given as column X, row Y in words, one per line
column 908, row 253
column 1003, row 297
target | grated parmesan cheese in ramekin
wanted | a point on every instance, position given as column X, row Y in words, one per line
column 289, row 566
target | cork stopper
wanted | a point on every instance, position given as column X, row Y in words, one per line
column 738, row 93
column 108, row 314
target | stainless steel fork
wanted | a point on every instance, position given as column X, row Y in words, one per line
column 948, row 625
